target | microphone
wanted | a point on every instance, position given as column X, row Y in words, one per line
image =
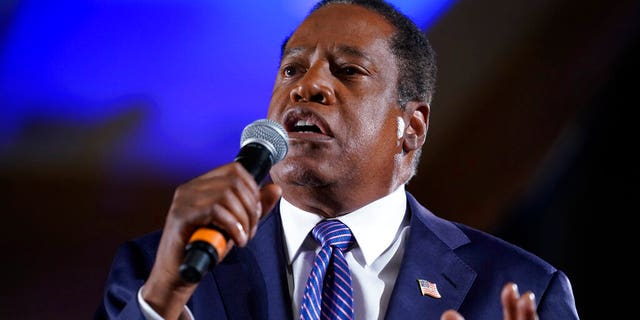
column 263, row 143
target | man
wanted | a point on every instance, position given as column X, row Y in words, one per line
column 353, row 91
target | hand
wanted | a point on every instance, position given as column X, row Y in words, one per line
column 227, row 197
column 514, row 306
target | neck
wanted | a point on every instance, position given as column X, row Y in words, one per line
column 330, row 202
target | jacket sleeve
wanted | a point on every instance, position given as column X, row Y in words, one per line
column 129, row 270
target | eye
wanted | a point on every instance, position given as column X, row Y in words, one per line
column 348, row 71
column 289, row 71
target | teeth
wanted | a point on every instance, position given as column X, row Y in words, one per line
column 301, row 123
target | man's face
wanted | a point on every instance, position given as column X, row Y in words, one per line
column 335, row 93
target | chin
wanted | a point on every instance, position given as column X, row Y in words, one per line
column 289, row 173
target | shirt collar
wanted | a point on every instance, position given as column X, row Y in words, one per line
column 374, row 226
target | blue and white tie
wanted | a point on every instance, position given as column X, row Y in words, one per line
column 328, row 294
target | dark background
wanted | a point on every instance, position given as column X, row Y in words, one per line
column 532, row 138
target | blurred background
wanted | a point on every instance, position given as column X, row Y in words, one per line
column 106, row 106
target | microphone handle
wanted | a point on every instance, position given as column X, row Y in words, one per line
column 207, row 245
column 255, row 158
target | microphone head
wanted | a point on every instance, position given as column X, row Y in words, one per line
column 269, row 134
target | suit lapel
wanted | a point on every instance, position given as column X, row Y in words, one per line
column 260, row 272
column 429, row 256
column 268, row 249
column 253, row 281
column 232, row 277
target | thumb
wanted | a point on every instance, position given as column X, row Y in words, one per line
column 269, row 195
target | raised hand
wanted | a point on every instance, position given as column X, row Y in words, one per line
column 514, row 305
column 227, row 197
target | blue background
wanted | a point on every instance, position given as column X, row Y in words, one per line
column 174, row 82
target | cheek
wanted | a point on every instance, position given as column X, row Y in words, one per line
column 373, row 122
column 275, row 107
column 376, row 134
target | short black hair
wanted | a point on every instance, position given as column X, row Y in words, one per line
column 415, row 57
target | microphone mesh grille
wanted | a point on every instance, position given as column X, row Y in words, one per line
column 269, row 134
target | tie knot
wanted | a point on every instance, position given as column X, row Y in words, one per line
column 333, row 233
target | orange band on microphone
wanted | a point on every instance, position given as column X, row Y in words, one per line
column 212, row 237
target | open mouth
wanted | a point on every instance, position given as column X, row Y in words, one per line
column 303, row 121
column 305, row 126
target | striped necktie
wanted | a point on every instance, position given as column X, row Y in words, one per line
column 328, row 294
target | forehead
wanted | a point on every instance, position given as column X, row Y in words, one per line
column 344, row 25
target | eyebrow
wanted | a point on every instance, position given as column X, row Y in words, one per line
column 352, row 51
column 292, row 51
column 347, row 50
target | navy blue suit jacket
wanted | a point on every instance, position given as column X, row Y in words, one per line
column 469, row 267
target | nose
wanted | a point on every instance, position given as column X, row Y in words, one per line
column 314, row 86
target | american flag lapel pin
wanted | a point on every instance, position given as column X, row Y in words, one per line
column 429, row 289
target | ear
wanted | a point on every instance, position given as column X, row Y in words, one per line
column 416, row 132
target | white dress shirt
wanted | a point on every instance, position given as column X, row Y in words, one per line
column 379, row 229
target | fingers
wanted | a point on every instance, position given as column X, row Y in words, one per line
column 509, row 297
column 516, row 307
column 527, row 307
column 227, row 197
column 451, row 315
